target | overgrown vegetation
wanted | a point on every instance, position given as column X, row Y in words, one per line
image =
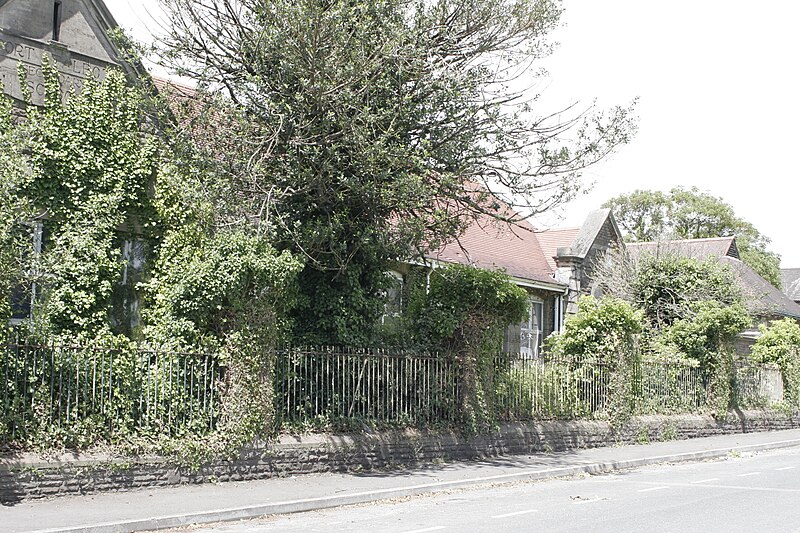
column 677, row 308
column 779, row 344
column 377, row 130
column 92, row 201
column 463, row 313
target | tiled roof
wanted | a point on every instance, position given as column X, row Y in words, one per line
column 790, row 279
column 551, row 240
column 696, row 248
column 519, row 249
column 494, row 245
column 768, row 300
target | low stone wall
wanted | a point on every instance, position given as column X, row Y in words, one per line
column 28, row 476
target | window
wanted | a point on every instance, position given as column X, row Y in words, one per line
column 558, row 314
column 125, row 300
column 393, row 298
column 57, row 20
column 25, row 295
column 526, row 338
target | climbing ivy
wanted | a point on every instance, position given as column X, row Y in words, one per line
column 14, row 211
column 92, row 165
column 463, row 312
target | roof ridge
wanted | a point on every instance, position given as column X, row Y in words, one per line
column 571, row 228
column 704, row 239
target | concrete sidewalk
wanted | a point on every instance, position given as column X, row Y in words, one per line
column 170, row 507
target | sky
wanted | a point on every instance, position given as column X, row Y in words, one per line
column 719, row 99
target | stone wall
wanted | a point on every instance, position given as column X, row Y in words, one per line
column 29, row 477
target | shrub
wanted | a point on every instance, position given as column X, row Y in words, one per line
column 779, row 344
column 598, row 330
column 666, row 287
column 464, row 312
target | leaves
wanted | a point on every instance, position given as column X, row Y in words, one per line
column 598, row 330
column 370, row 132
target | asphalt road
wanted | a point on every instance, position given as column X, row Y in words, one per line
column 755, row 493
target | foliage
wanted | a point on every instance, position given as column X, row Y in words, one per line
column 342, row 308
column 707, row 336
column 530, row 391
column 464, row 313
column 87, row 393
column 707, row 330
column 779, row 344
column 14, row 210
column 98, row 177
column 460, row 297
column 202, row 285
column 666, row 287
column 603, row 335
column 223, row 288
column 597, row 331
column 372, row 131
column 92, row 163
column 692, row 214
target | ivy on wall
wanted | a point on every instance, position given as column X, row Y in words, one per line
column 92, row 167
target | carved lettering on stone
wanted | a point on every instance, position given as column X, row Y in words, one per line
column 72, row 71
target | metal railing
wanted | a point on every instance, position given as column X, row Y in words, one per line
column 668, row 387
column 112, row 390
column 528, row 389
column 332, row 384
column 122, row 391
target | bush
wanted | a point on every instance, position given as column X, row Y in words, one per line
column 667, row 287
column 464, row 312
column 598, row 330
column 779, row 344
column 706, row 331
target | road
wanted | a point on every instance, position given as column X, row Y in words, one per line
column 759, row 492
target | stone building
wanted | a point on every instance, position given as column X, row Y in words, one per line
column 77, row 35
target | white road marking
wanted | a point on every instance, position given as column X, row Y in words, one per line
column 595, row 500
column 706, row 480
column 739, row 487
column 785, row 468
column 749, row 474
column 652, row 489
column 515, row 514
column 435, row 528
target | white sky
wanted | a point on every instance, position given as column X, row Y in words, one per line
column 719, row 99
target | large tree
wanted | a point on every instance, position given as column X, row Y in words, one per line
column 692, row 214
column 379, row 128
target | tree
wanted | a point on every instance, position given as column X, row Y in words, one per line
column 666, row 287
column 692, row 214
column 381, row 128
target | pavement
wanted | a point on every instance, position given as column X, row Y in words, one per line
column 151, row 509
